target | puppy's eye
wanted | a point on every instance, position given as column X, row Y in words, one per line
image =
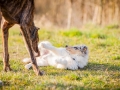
column 75, row 48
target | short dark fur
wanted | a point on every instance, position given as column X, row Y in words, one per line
column 19, row 12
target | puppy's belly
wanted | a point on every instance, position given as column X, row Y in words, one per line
column 56, row 61
column 52, row 61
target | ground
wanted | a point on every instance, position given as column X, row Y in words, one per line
column 102, row 71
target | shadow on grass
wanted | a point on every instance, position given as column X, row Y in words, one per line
column 90, row 67
column 62, row 86
column 55, row 86
column 102, row 67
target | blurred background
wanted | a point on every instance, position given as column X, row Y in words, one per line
column 77, row 13
column 95, row 23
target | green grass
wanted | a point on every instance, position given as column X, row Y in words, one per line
column 102, row 71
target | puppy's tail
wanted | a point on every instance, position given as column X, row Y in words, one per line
column 26, row 60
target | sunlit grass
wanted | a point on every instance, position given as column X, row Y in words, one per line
column 102, row 71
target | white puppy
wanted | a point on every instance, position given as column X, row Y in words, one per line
column 73, row 58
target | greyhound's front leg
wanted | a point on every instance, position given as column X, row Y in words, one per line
column 25, row 32
column 5, row 34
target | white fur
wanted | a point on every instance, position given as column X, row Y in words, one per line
column 57, row 57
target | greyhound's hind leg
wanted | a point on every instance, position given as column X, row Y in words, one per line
column 5, row 34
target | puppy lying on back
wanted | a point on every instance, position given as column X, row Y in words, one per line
column 70, row 57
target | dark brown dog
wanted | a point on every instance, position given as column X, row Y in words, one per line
column 19, row 12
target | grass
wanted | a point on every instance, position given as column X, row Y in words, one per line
column 102, row 71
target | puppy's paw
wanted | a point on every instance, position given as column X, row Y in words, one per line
column 26, row 60
column 28, row 66
column 72, row 66
column 43, row 45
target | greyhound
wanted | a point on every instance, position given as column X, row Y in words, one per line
column 20, row 12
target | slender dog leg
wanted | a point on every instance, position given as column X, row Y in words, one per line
column 5, row 34
column 30, row 49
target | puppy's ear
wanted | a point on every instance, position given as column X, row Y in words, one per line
column 85, row 49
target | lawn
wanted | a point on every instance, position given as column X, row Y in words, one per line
column 102, row 71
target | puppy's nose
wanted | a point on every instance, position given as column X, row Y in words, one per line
column 66, row 46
